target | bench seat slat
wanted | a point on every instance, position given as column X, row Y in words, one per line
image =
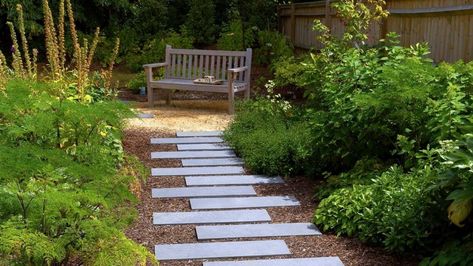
column 185, row 84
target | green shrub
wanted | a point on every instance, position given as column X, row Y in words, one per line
column 234, row 38
column 155, row 50
column 268, row 143
column 201, row 21
column 272, row 46
column 64, row 179
column 453, row 253
column 138, row 81
column 394, row 210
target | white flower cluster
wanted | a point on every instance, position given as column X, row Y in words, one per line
column 276, row 99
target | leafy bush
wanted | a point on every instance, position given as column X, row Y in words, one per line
column 61, row 194
column 269, row 46
column 272, row 46
column 201, row 21
column 269, row 142
column 154, row 50
column 138, row 81
column 234, row 37
column 390, row 130
column 395, row 210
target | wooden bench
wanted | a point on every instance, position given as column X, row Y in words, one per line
column 182, row 66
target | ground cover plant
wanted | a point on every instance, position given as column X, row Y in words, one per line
column 388, row 129
column 64, row 180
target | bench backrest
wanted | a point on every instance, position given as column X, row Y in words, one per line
column 193, row 64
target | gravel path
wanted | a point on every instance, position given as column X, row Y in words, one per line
column 136, row 142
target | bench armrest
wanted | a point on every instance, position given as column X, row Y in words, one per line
column 155, row 65
column 238, row 69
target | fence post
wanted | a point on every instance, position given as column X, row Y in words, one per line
column 328, row 14
column 293, row 23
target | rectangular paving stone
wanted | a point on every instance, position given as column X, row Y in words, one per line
column 203, row 147
column 225, row 180
column 145, row 116
column 199, row 134
column 210, row 170
column 210, row 217
column 198, row 192
column 191, row 154
column 232, row 249
column 189, row 140
column 243, row 202
column 256, row 230
column 212, row 162
column 320, row 261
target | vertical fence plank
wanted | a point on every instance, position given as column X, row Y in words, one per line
column 445, row 25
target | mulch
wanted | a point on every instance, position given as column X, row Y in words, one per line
column 351, row 251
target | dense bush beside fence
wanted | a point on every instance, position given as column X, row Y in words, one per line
column 389, row 130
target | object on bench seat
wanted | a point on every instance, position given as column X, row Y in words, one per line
column 183, row 66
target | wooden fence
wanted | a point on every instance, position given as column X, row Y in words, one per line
column 447, row 25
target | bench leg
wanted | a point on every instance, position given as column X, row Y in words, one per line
column 247, row 93
column 231, row 103
column 150, row 97
column 168, row 97
column 149, row 79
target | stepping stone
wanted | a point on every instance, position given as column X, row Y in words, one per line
column 256, row 230
column 212, row 162
column 232, row 249
column 321, row 261
column 186, row 140
column 183, row 171
column 210, row 217
column 203, row 147
column 191, row 154
column 225, row 180
column 243, row 202
column 198, row 192
column 145, row 116
column 199, row 134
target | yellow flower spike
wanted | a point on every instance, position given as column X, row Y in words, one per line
column 459, row 210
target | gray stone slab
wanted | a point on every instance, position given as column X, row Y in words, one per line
column 232, row 249
column 145, row 116
column 320, row 261
column 199, row 192
column 211, row 170
column 199, row 134
column 212, row 162
column 211, row 217
column 256, row 230
column 190, row 140
column 203, row 147
column 225, row 180
column 191, row 154
column 243, row 202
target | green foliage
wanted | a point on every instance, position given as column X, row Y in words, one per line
column 270, row 142
column 390, row 130
column 234, row 37
column 395, row 210
column 138, row 81
column 272, row 47
column 453, row 253
column 201, row 21
column 154, row 50
column 61, row 195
